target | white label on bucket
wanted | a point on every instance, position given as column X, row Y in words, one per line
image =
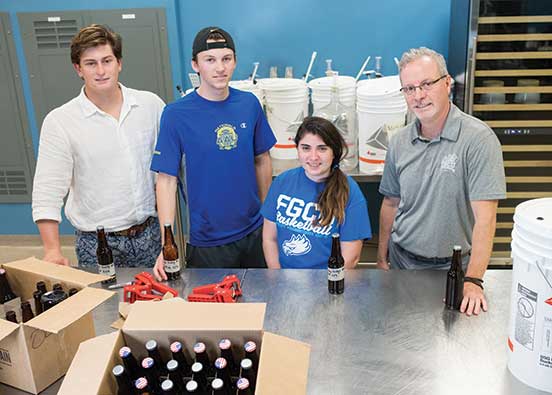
column 547, row 338
column 525, row 317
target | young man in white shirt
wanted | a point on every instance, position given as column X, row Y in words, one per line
column 98, row 147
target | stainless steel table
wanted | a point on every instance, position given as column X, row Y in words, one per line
column 388, row 334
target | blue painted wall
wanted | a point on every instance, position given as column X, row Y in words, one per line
column 275, row 33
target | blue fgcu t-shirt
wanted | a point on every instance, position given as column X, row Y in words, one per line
column 211, row 147
column 291, row 204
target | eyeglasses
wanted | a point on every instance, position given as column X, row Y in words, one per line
column 424, row 86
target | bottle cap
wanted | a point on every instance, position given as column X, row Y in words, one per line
column 99, row 228
column 220, row 363
column 197, row 367
column 125, row 352
column 191, row 386
column 250, row 346
column 176, row 347
column 151, row 345
column 141, row 383
column 172, row 365
column 217, row 384
column 335, row 235
column 118, row 370
column 199, row 347
column 246, row 363
column 167, row 385
column 225, row 344
column 242, row 383
column 457, row 248
column 147, row 363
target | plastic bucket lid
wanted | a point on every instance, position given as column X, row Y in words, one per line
column 535, row 217
column 326, row 83
column 282, row 84
column 379, row 86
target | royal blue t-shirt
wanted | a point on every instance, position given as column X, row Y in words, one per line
column 211, row 147
column 291, row 204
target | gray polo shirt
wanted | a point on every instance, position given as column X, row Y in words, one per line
column 436, row 181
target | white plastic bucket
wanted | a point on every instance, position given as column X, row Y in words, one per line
column 373, row 129
column 286, row 104
column 530, row 329
column 248, row 86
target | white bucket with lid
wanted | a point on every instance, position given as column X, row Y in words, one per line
column 248, row 86
column 530, row 329
column 374, row 131
column 381, row 110
column 321, row 91
column 286, row 104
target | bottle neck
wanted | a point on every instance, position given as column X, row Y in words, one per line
column 102, row 240
column 169, row 238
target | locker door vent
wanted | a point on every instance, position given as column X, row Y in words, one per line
column 12, row 183
column 50, row 35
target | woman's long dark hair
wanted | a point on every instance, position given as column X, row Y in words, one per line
column 333, row 199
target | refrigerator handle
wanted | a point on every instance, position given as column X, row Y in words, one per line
column 468, row 94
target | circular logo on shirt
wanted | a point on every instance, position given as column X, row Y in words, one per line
column 227, row 138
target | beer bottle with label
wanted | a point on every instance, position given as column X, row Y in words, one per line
column 6, row 293
column 26, row 311
column 151, row 372
column 170, row 255
column 455, row 281
column 105, row 257
column 336, row 268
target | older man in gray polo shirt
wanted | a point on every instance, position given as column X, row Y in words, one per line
column 442, row 181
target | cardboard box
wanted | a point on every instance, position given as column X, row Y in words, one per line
column 35, row 354
column 283, row 362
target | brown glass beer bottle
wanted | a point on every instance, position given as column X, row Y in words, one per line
column 170, row 255
column 105, row 257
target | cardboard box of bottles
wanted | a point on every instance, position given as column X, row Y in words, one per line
column 35, row 354
column 283, row 362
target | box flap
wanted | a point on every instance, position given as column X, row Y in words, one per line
column 70, row 310
column 62, row 273
column 176, row 313
column 87, row 371
column 283, row 366
column 7, row 328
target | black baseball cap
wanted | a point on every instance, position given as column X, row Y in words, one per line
column 201, row 44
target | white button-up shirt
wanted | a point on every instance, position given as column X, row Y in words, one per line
column 103, row 162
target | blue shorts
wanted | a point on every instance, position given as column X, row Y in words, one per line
column 140, row 250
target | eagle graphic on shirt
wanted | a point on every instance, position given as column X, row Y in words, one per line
column 296, row 245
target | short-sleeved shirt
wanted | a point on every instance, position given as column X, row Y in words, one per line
column 436, row 181
column 291, row 204
column 211, row 146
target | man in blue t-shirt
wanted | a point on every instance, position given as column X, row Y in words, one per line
column 215, row 142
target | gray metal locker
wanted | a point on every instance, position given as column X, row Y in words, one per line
column 16, row 150
column 146, row 63
column 47, row 39
column 46, row 42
